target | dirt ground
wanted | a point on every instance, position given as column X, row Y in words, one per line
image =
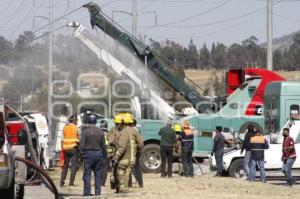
column 179, row 187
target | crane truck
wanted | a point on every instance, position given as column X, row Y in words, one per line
column 242, row 107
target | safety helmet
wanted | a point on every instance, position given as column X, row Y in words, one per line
column 128, row 118
column 92, row 119
column 186, row 124
column 118, row 119
column 103, row 124
column 73, row 118
column 177, row 128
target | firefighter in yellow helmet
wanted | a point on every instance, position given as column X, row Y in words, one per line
column 112, row 138
column 137, row 139
column 177, row 147
column 187, row 147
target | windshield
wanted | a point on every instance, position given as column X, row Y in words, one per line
column 271, row 115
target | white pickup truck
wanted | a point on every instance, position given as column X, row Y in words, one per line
column 233, row 159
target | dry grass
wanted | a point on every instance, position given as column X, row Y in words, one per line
column 188, row 188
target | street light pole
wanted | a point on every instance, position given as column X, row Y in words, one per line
column 50, row 66
column 269, row 35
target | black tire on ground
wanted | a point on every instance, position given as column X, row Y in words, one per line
column 236, row 169
column 21, row 190
column 150, row 160
column 9, row 192
column 244, row 128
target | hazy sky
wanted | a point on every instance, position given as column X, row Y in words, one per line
column 226, row 21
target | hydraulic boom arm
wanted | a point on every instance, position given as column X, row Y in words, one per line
column 162, row 70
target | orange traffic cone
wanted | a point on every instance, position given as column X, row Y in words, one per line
column 61, row 159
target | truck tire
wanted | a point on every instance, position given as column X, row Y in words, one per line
column 150, row 160
column 20, row 191
column 10, row 191
column 243, row 129
column 236, row 169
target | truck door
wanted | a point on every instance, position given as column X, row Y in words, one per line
column 203, row 141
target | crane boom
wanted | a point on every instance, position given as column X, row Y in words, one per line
column 82, row 35
column 154, row 63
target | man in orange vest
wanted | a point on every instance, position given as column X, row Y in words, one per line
column 187, row 146
column 70, row 149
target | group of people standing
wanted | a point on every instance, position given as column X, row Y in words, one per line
column 254, row 145
column 182, row 139
column 100, row 149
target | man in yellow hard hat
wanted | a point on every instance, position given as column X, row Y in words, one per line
column 177, row 147
column 124, row 156
column 112, row 137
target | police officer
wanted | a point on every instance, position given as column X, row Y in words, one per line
column 130, row 122
column 218, row 150
column 70, row 150
column 187, row 147
column 103, row 127
column 92, row 146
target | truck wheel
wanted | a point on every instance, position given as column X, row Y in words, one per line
column 236, row 169
column 20, row 191
column 10, row 191
column 244, row 128
column 150, row 158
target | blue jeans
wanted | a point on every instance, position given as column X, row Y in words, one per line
column 261, row 167
column 219, row 162
column 247, row 161
column 287, row 169
column 93, row 161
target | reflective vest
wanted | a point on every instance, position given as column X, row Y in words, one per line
column 258, row 144
column 70, row 139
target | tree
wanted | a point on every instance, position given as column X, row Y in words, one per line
column 277, row 56
column 6, row 48
column 219, row 56
column 192, row 58
column 204, row 57
column 236, row 56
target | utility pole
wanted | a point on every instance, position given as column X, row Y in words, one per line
column 134, row 17
column 269, row 35
column 50, row 66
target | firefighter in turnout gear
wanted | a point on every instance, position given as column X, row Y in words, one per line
column 177, row 148
column 111, row 138
column 136, row 136
column 124, row 157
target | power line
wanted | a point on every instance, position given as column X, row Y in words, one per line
column 14, row 14
column 8, row 5
column 214, row 32
column 197, row 15
column 57, row 19
column 25, row 17
column 191, row 17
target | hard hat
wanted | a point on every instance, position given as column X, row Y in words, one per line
column 128, row 118
column 186, row 124
column 103, row 124
column 92, row 119
column 177, row 128
column 73, row 118
column 118, row 119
